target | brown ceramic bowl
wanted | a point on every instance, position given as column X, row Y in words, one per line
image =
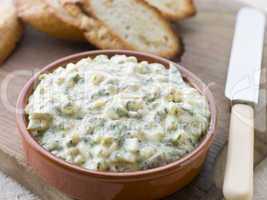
column 85, row 184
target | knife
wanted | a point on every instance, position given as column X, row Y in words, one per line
column 242, row 88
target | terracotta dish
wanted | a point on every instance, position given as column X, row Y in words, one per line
column 83, row 184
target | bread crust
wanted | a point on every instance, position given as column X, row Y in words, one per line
column 187, row 10
column 42, row 18
column 10, row 29
column 176, row 50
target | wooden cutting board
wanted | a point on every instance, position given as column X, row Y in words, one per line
column 207, row 39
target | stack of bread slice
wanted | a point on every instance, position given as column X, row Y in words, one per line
column 142, row 25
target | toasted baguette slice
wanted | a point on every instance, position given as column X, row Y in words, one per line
column 10, row 29
column 41, row 17
column 174, row 9
column 94, row 31
column 140, row 26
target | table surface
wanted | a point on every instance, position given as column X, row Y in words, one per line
column 187, row 59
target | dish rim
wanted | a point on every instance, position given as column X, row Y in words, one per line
column 186, row 74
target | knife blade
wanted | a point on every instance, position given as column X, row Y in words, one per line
column 242, row 87
column 245, row 61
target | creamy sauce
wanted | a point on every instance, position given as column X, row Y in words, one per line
column 117, row 114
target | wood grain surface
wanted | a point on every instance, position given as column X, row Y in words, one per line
column 207, row 40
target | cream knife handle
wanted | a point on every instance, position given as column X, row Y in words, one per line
column 238, row 180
